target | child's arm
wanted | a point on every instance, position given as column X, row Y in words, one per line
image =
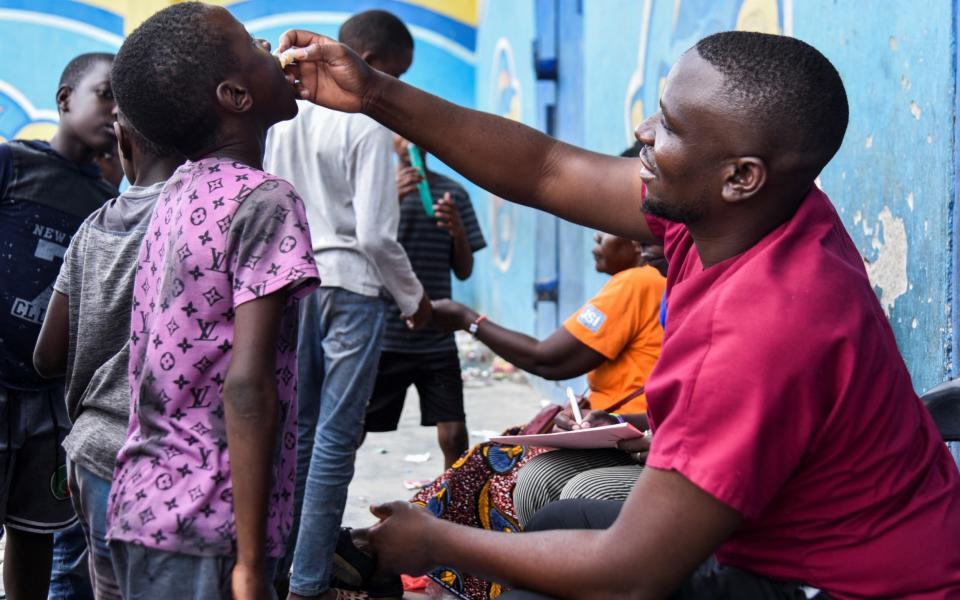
column 251, row 411
column 50, row 354
column 448, row 217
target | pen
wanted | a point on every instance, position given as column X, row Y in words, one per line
column 574, row 406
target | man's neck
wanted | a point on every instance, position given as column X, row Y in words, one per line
column 72, row 149
column 742, row 230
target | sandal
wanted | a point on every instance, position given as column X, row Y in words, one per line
column 354, row 570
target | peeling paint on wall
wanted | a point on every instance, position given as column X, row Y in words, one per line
column 888, row 272
column 915, row 110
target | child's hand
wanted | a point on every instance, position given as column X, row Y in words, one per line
column 329, row 73
column 450, row 316
column 407, row 180
column 423, row 314
column 448, row 216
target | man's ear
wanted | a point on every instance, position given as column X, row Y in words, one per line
column 63, row 98
column 234, row 97
column 743, row 178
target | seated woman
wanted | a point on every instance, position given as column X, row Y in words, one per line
column 615, row 338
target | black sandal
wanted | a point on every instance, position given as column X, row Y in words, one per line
column 354, row 569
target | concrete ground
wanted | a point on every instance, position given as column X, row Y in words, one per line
column 382, row 464
column 382, row 467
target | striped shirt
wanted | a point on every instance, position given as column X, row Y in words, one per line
column 430, row 250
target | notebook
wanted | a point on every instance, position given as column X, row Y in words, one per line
column 606, row 436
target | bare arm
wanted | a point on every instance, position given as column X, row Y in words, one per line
column 667, row 527
column 251, row 412
column 560, row 356
column 50, row 353
column 507, row 158
column 448, row 218
column 462, row 258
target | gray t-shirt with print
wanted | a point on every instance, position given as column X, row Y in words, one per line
column 97, row 275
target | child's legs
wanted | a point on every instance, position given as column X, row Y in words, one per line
column 440, row 387
column 453, row 439
column 353, row 327
column 27, row 559
column 89, row 494
column 309, row 388
column 35, row 502
column 70, row 569
column 395, row 373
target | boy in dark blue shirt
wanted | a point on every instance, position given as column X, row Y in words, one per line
column 46, row 191
column 427, row 358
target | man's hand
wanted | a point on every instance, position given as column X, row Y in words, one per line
column 423, row 314
column 249, row 582
column 450, row 316
column 564, row 421
column 401, row 540
column 329, row 73
column 448, row 216
column 407, row 180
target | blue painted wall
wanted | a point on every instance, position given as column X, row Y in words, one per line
column 893, row 179
column 504, row 273
column 39, row 37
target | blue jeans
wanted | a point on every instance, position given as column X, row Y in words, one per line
column 145, row 573
column 69, row 578
column 89, row 494
column 338, row 352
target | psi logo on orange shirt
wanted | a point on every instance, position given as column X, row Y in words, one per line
column 591, row 318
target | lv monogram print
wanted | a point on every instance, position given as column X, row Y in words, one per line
column 221, row 234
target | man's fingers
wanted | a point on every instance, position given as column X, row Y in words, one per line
column 381, row 511
column 302, row 39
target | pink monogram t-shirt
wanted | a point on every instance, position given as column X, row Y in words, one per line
column 222, row 234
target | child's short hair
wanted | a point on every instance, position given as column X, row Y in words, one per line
column 80, row 66
column 166, row 74
column 146, row 146
column 375, row 31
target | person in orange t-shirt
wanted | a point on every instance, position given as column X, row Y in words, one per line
column 615, row 338
column 621, row 323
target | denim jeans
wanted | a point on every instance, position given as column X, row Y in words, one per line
column 69, row 577
column 339, row 348
column 89, row 494
column 146, row 573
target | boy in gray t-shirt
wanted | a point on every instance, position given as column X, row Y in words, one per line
column 86, row 332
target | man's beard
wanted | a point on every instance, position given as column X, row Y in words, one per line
column 686, row 214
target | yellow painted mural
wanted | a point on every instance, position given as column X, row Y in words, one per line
column 135, row 12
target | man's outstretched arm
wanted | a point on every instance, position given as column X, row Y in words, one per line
column 667, row 527
column 505, row 157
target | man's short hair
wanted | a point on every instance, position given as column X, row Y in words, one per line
column 77, row 68
column 376, row 31
column 786, row 84
column 166, row 74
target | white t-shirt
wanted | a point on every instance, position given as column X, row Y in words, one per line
column 342, row 166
